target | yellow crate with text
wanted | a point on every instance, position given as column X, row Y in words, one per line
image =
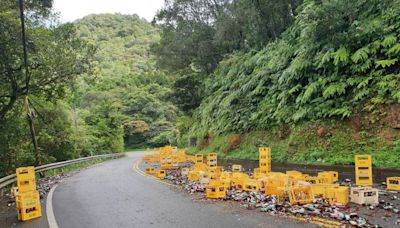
column 327, row 177
column 363, row 168
column 251, row 185
column 300, row 194
column 26, row 180
column 185, row 171
column 237, row 168
column 215, row 190
column 161, row 173
column 199, row 158
column 28, row 205
column 150, row 170
column 364, row 195
column 238, row 179
column 393, row 183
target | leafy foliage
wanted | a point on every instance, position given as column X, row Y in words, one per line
column 337, row 59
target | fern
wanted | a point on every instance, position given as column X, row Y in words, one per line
column 310, row 90
column 342, row 112
column 361, row 94
column 334, row 89
column 341, row 56
column 295, row 89
column 389, row 41
column 385, row 63
column 395, row 50
column 360, row 55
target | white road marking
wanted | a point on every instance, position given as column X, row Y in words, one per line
column 51, row 219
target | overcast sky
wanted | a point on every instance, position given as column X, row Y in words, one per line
column 74, row 9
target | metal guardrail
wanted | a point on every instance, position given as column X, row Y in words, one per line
column 7, row 180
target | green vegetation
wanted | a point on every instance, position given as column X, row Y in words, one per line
column 318, row 80
column 333, row 69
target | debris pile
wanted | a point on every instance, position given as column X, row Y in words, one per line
column 293, row 194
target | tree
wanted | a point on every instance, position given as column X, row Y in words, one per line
column 55, row 55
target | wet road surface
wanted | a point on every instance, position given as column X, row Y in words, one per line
column 112, row 194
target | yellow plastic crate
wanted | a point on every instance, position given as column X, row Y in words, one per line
column 149, row 170
column 296, row 175
column 251, row 185
column 215, row 190
column 337, row 195
column 28, row 205
column 226, row 179
column 198, row 158
column 161, row 173
column 237, row 168
column 327, row 177
column 167, row 165
column 199, row 167
column 194, row 175
column 274, row 186
column 301, row 194
column 238, row 179
column 393, row 183
column 363, row 169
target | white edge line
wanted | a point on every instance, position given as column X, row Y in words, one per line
column 51, row 219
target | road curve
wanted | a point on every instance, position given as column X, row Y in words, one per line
column 112, row 194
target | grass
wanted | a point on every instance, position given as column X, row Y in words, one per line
column 305, row 145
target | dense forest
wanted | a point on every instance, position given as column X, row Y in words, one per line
column 318, row 80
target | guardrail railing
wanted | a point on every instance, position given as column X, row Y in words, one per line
column 7, row 180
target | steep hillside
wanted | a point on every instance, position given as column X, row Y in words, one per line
column 328, row 88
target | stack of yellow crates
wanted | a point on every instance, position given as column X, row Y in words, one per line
column 265, row 160
column 27, row 199
column 212, row 161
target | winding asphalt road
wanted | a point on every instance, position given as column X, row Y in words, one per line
column 114, row 194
